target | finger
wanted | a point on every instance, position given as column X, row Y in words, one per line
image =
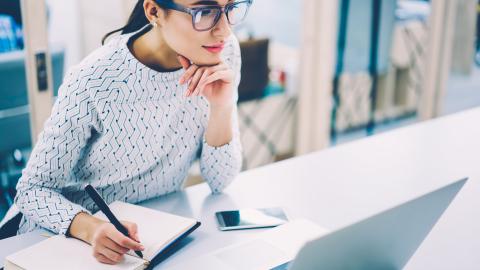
column 101, row 258
column 202, row 83
column 188, row 74
column 196, row 91
column 211, row 70
column 184, row 61
column 124, row 241
column 200, row 86
column 196, row 78
column 109, row 243
column 111, row 255
column 221, row 66
column 193, row 68
column 224, row 75
column 217, row 68
column 132, row 230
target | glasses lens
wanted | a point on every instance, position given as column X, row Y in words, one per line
column 237, row 12
column 205, row 18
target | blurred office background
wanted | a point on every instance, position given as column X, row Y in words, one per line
column 316, row 73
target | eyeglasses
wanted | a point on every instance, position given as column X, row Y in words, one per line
column 206, row 17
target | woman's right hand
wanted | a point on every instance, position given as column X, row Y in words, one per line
column 108, row 244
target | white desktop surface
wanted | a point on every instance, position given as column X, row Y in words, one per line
column 340, row 185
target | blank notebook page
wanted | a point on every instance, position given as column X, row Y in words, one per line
column 59, row 252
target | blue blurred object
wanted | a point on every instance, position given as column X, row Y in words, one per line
column 477, row 54
column 358, row 43
column 14, row 109
column 412, row 10
column 15, row 138
column 283, row 25
column 11, row 37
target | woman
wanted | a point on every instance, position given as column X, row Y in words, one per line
column 132, row 117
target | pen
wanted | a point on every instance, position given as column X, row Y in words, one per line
column 105, row 210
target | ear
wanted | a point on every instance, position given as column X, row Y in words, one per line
column 153, row 12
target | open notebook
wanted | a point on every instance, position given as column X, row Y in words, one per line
column 158, row 232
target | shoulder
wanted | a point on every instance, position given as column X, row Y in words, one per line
column 83, row 82
column 92, row 70
column 107, row 57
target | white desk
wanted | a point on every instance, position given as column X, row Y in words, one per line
column 337, row 186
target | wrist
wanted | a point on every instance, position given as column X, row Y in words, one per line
column 221, row 109
column 84, row 225
column 219, row 130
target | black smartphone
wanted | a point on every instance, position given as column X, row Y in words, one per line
column 250, row 218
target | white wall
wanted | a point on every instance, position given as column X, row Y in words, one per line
column 101, row 17
column 64, row 28
column 279, row 20
column 80, row 24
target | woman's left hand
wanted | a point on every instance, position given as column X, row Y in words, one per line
column 215, row 83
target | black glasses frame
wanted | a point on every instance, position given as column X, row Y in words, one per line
column 194, row 11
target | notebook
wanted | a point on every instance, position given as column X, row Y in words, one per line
column 158, row 232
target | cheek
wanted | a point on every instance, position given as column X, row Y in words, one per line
column 183, row 39
column 178, row 36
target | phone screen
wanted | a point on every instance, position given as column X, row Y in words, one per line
column 251, row 218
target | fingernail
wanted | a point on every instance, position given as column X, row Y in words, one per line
column 142, row 247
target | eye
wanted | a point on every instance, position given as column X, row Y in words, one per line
column 206, row 12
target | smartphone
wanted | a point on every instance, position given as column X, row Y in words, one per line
column 250, row 218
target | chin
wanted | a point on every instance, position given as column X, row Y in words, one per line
column 207, row 60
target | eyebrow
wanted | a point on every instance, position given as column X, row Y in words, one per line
column 209, row 3
column 205, row 2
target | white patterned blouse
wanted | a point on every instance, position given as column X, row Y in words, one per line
column 125, row 129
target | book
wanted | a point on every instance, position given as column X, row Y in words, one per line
column 158, row 232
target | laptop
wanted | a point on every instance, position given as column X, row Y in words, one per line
column 385, row 240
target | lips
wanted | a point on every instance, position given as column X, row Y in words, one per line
column 215, row 48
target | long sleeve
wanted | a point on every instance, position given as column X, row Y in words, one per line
column 220, row 165
column 60, row 145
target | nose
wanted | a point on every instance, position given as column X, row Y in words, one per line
column 222, row 28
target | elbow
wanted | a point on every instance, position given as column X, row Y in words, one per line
column 25, row 190
column 22, row 194
column 220, row 181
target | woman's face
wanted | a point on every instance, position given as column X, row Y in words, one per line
column 202, row 48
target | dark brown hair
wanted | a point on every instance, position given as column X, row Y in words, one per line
column 136, row 20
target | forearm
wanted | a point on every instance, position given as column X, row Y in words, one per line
column 219, row 129
column 221, row 158
column 44, row 205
